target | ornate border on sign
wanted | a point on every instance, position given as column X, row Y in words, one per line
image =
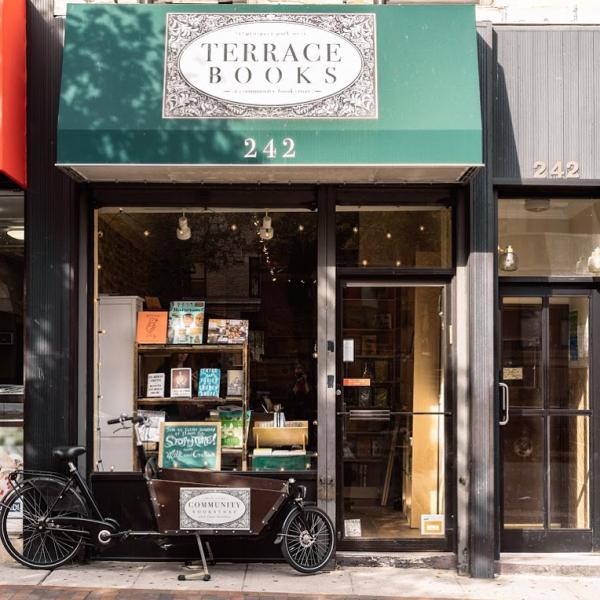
column 187, row 522
column 357, row 101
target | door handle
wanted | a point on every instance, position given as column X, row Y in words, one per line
column 505, row 397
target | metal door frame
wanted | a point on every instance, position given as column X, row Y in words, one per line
column 447, row 543
column 546, row 539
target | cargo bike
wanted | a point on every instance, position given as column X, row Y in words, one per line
column 47, row 519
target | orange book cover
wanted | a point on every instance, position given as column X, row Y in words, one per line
column 152, row 327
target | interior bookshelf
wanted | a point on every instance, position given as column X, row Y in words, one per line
column 152, row 358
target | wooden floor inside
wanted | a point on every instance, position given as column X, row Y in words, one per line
column 383, row 522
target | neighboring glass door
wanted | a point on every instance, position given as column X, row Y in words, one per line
column 393, row 416
column 545, row 421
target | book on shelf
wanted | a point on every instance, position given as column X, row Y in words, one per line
column 363, row 447
column 380, row 397
column 369, row 344
column 151, row 327
column 209, row 383
column 232, row 435
column 379, row 447
column 150, row 431
column 235, row 382
column 181, row 382
column 227, row 331
column 155, row 387
column 262, row 451
column 186, row 323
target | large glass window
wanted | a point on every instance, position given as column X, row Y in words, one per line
column 394, row 236
column 12, row 236
column 257, row 267
column 549, row 237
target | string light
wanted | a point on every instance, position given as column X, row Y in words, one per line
column 355, row 229
column 398, row 263
column 146, row 233
column 421, row 227
column 364, row 262
column 300, row 227
column 233, row 227
column 388, row 235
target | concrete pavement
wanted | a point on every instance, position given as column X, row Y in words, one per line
column 273, row 579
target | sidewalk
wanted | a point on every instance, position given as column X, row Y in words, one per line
column 278, row 580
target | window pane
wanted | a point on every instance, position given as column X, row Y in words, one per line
column 569, row 357
column 395, row 237
column 522, row 351
column 523, row 448
column 394, row 474
column 241, row 271
column 569, row 472
column 393, row 362
column 550, row 237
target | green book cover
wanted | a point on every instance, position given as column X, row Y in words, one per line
column 232, row 434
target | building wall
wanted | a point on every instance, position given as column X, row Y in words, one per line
column 539, row 11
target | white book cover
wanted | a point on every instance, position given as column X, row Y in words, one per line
column 156, row 385
column 181, row 383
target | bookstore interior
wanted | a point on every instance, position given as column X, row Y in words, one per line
column 207, row 325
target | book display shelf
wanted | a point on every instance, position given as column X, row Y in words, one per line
column 156, row 358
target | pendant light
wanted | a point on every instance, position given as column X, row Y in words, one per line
column 183, row 230
column 508, row 260
column 594, row 261
column 266, row 232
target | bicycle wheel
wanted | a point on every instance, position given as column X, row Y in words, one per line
column 24, row 531
column 308, row 539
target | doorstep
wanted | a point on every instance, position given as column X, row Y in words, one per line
column 403, row 560
column 582, row 564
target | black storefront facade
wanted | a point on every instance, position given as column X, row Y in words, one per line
column 441, row 219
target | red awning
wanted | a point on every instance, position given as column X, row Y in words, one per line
column 13, row 91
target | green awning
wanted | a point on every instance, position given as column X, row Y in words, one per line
column 225, row 93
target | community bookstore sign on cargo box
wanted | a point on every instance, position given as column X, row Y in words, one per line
column 269, row 65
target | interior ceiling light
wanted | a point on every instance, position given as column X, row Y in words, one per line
column 183, row 230
column 17, row 233
column 594, row 261
column 537, row 204
column 508, row 260
column 266, row 232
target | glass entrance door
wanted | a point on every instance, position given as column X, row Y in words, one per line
column 545, row 422
column 392, row 416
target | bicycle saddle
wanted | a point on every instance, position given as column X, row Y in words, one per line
column 67, row 452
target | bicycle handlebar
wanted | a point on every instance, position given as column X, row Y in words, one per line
column 123, row 418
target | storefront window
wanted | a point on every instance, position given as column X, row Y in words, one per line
column 394, row 237
column 12, row 236
column 246, row 283
column 548, row 237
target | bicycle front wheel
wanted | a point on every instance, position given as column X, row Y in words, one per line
column 24, row 531
column 308, row 539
